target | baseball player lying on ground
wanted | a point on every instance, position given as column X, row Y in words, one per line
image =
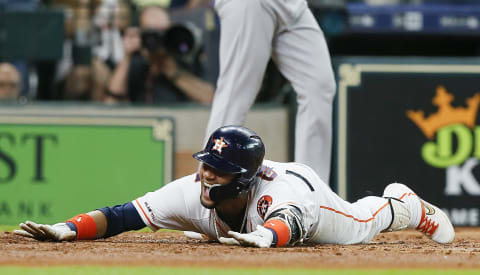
column 238, row 198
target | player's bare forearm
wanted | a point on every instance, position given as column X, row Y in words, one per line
column 195, row 88
column 101, row 222
column 118, row 82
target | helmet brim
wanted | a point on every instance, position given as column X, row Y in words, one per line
column 217, row 162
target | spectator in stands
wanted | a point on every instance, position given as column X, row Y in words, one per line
column 22, row 66
column 92, row 48
column 10, row 84
column 151, row 74
column 110, row 19
column 73, row 77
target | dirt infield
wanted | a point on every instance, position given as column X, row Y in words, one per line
column 406, row 249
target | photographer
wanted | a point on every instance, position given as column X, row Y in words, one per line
column 150, row 72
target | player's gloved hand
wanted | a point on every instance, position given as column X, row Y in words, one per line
column 42, row 232
column 261, row 237
column 228, row 241
column 196, row 236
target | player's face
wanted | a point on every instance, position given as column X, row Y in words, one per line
column 210, row 176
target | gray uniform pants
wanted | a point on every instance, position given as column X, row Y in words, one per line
column 251, row 32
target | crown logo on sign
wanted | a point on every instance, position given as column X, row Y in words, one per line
column 446, row 114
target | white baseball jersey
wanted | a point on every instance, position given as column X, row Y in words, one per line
column 326, row 217
column 253, row 31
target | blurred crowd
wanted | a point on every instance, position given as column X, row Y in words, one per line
column 135, row 51
column 113, row 51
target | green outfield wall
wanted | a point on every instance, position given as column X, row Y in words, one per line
column 53, row 167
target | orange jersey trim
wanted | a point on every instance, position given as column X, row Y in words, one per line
column 407, row 194
column 352, row 217
column 145, row 215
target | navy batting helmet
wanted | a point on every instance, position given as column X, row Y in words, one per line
column 235, row 150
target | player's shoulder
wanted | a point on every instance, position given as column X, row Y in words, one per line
column 280, row 165
column 273, row 165
column 280, row 168
column 271, row 173
column 188, row 179
column 282, row 175
column 283, row 167
column 185, row 184
column 187, row 189
column 274, row 188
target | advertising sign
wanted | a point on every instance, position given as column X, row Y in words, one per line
column 415, row 123
column 52, row 168
column 426, row 18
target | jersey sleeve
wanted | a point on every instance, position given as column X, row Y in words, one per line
column 167, row 206
column 283, row 214
column 288, row 196
column 282, row 197
column 279, row 192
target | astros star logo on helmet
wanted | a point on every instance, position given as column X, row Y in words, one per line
column 219, row 144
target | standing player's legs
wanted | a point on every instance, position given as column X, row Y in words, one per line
column 246, row 33
column 301, row 54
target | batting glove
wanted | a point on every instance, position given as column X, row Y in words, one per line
column 197, row 236
column 261, row 237
column 57, row 232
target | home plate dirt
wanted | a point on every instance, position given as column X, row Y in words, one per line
column 405, row 249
